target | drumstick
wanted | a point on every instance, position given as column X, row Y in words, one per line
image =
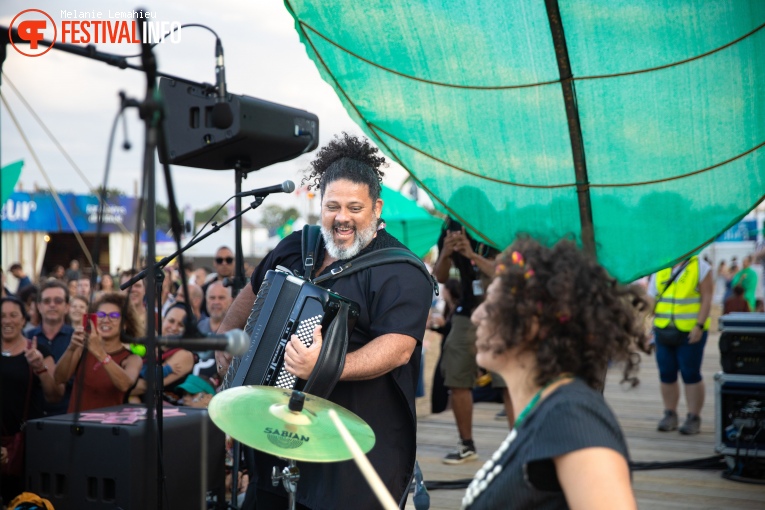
column 373, row 479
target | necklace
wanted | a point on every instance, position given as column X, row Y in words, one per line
column 535, row 399
column 7, row 353
column 493, row 467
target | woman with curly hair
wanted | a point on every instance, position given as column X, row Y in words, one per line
column 551, row 322
column 108, row 370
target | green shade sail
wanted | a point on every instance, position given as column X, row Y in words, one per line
column 468, row 97
column 409, row 223
column 9, row 176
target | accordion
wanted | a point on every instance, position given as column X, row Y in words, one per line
column 284, row 306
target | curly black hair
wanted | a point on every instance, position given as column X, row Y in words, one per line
column 347, row 157
column 582, row 317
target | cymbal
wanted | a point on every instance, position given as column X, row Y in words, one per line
column 259, row 416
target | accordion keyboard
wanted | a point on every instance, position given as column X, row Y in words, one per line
column 305, row 333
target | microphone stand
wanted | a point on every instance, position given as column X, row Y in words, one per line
column 88, row 51
column 159, row 382
column 239, row 278
column 151, row 113
column 216, row 227
column 238, row 284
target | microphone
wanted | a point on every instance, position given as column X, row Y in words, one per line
column 222, row 116
column 235, row 342
column 285, row 187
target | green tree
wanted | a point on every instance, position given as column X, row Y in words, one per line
column 274, row 216
column 110, row 192
column 204, row 215
column 162, row 217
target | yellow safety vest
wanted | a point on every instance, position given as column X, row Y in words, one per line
column 680, row 303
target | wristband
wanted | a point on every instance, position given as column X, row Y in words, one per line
column 107, row 359
column 700, row 325
column 41, row 371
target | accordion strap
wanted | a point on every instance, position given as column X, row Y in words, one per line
column 331, row 360
column 379, row 258
column 309, row 247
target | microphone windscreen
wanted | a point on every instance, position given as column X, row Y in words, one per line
column 288, row 186
column 222, row 116
column 239, row 342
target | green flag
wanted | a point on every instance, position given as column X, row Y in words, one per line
column 285, row 229
column 10, row 176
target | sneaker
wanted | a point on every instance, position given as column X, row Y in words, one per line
column 501, row 416
column 669, row 422
column 463, row 453
column 692, row 425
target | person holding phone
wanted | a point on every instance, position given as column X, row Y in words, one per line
column 475, row 263
column 110, row 370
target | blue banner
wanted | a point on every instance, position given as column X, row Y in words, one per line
column 39, row 212
column 745, row 230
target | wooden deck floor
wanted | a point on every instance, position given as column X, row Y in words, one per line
column 638, row 411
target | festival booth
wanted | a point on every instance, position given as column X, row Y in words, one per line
column 43, row 228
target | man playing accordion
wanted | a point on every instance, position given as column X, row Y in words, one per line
column 381, row 368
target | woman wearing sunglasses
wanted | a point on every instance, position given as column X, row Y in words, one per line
column 110, row 370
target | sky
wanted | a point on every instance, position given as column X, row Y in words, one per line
column 77, row 98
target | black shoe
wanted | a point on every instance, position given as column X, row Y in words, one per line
column 463, row 453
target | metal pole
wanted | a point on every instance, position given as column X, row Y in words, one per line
column 574, row 127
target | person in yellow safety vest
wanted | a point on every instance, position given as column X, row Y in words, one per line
column 681, row 322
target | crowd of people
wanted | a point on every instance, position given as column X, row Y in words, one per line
column 542, row 323
column 67, row 347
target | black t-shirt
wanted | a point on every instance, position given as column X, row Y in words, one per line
column 394, row 298
column 468, row 273
column 572, row 418
column 14, row 381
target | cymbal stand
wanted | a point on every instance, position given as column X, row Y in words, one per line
column 289, row 478
column 290, row 474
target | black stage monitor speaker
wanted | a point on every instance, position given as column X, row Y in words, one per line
column 102, row 464
column 260, row 134
column 742, row 343
column 740, row 415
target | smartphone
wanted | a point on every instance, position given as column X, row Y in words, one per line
column 87, row 320
column 455, row 226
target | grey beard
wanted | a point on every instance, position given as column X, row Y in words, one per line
column 361, row 239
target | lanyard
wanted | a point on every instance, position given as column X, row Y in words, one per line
column 535, row 399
